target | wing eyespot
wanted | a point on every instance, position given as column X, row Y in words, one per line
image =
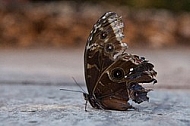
column 103, row 35
column 109, row 48
column 117, row 74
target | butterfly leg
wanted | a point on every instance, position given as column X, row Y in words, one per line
column 85, row 108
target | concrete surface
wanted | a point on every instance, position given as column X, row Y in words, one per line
column 30, row 81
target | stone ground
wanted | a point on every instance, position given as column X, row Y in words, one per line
column 30, row 81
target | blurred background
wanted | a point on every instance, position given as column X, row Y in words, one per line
column 61, row 23
column 43, row 41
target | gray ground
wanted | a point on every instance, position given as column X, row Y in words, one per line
column 30, row 81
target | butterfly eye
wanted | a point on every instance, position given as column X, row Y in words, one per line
column 117, row 74
column 109, row 48
column 103, row 35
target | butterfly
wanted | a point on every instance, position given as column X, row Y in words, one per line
column 112, row 76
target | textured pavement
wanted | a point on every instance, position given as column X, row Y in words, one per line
column 30, row 81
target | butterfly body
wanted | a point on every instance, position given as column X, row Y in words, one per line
column 112, row 75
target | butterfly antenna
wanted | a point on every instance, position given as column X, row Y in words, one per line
column 71, row 90
column 78, row 85
column 78, row 91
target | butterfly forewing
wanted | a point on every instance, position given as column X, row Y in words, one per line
column 103, row 42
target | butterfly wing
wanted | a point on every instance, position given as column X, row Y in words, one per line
column 120, row 81
column 112, row 76
column 102, row 44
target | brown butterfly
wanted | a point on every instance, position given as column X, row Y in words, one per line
column 112, row 75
